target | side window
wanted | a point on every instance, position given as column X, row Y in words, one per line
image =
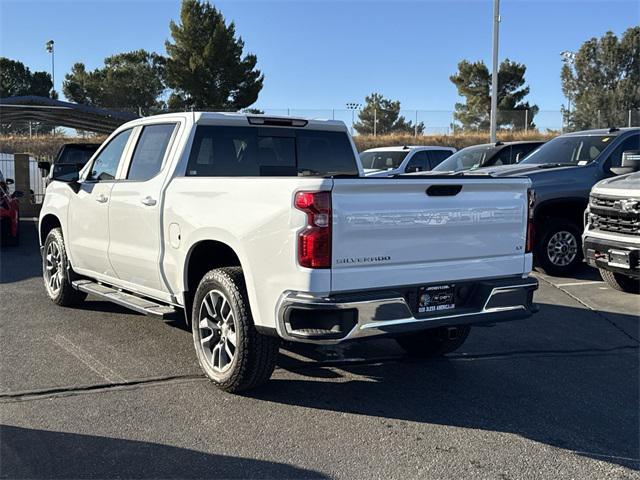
column 418, row 163
column 106, row 163
column 518, row 152
column 149, row 152
column 631, row 143
column 502, row 158
column 436, row 157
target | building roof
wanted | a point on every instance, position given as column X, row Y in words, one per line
column 62, row 114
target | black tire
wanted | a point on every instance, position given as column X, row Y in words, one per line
column 618, row 281
column 434, row 342
column 13, row 241
column 254, row 354
column 65, row 295
column 544, row 257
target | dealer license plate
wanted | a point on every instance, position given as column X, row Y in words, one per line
column 436, row 298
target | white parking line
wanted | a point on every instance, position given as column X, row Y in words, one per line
column 94, row 364
column 592, row 282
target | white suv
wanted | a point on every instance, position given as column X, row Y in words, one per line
column 389, row 161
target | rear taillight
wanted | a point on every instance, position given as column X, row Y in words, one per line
column 531, row 198
column 314, row 241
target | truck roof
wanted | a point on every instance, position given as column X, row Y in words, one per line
column 397, row 148
column 602, row 131
column 243, row 119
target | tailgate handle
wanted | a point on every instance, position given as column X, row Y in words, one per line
column 443, row 190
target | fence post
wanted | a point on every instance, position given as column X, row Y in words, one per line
column 526, row 120
column 629, row 117
column 598, row 126
column 23, row 184
column 415, row 128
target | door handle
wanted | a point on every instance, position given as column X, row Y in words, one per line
column 148, row 201
column 102, row 198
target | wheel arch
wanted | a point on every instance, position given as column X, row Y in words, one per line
column 48, row 223
column 571, row 208
column 203, row 256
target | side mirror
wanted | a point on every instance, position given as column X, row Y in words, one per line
column 413, row 169
column 45, row 167
column 9, row 181
column 630, row 163
column 17, row 194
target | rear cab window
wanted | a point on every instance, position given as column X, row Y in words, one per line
column 223, row 151
column 150, row 150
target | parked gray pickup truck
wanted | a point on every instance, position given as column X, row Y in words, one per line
column 562, row 172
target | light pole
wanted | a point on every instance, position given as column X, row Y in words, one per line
column 353, row 106
column 568, row 58
column 494, row 74
column 49, row 47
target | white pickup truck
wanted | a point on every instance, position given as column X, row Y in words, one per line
column 263, row 228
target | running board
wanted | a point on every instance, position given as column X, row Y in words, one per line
column 128, row 300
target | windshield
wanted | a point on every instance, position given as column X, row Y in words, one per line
column 569, row 150
column 77, row 154
column 382, row 160
column 467, row 158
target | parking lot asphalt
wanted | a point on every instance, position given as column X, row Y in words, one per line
column 101, row 392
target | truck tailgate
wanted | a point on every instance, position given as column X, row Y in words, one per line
column 391, row 232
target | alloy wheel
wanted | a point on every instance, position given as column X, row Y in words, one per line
column 53, row 272
column 562, row 248
column 217, row 328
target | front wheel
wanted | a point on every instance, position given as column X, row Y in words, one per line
column 55, row 266
column 559, row 251
column 618, row 281
column 231, row 352
column 434, row 342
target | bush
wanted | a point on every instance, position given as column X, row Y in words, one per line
column 48, row 145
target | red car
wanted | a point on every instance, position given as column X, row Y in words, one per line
column 9, row 209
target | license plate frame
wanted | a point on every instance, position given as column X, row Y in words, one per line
column 619, row 259
column 436, row 298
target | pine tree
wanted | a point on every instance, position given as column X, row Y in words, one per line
column 131, row 81
column 205, row 67
column 386, row 114
column 473, row 82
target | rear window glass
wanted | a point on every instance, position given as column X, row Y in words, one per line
column 261, row 151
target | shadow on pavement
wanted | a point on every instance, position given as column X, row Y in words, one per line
column 23, row 261
column 568, row 394
column 28, row 453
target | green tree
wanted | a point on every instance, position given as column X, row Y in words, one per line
column 205, row 66
column 131, row 80
column 473, row 82
column 603, row 81
column 17, row 80
column 386, row 114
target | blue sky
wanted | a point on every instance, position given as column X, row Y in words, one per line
column 318, row 54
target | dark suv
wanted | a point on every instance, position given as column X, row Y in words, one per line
column 562, row 172
column 487, row 155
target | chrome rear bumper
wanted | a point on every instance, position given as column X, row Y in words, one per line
column 303, row 317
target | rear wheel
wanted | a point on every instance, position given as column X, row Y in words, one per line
column 434, row 342
column 621, row 282
column 559, row 251
column 55, row 266
column 230, row 350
